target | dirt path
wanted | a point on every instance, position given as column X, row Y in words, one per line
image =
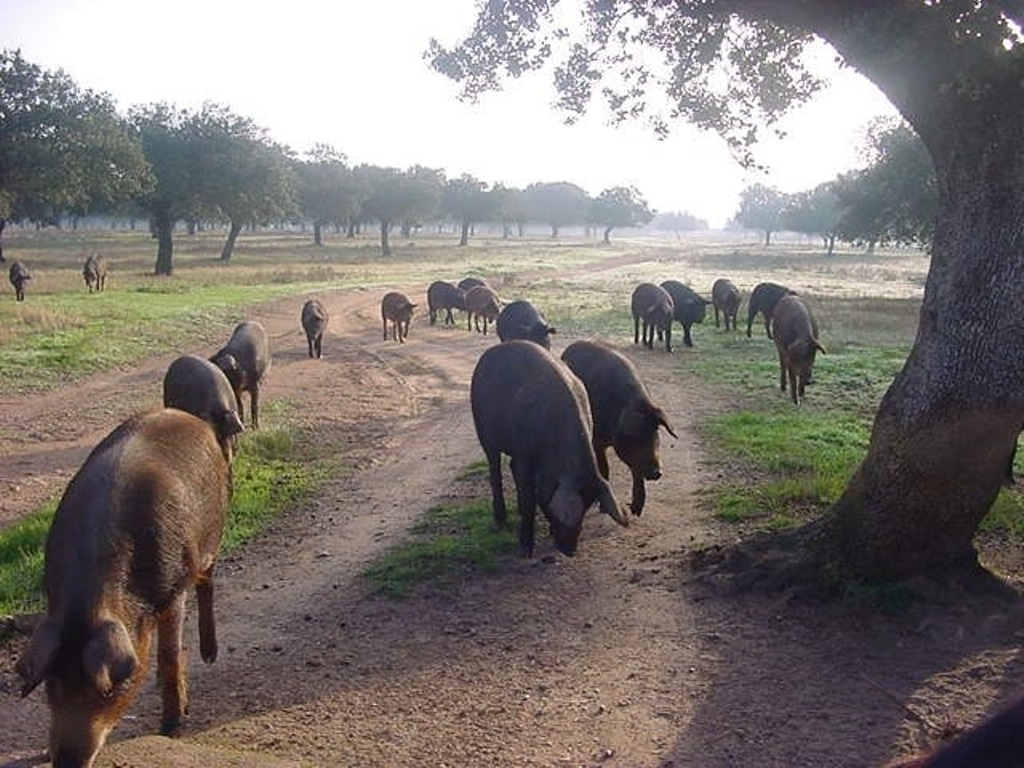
column 615, row 657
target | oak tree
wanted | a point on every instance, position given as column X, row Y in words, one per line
column 955, row 71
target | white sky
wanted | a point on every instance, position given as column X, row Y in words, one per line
column 351, row 74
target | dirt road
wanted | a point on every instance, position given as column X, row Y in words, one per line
column 615, row 657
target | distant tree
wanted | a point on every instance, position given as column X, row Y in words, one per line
column 761, row 208
column 558, row 204
column 247, row 178
column 62, row 148
column 175, row 195
column 468, row 201
column 422, row 190
column 511, row 209
column 895, row 198
column 815, row 212
column 619, row 207
column 677, row 222
column 329, row 191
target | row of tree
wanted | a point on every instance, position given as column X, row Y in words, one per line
column 65, row 150
column 893, row 200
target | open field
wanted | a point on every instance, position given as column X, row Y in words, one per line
column 616, row 657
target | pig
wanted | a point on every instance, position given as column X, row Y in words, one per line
column 529, row 406
column 652, row 305
column 19, row 277
column 481, row 303
column 763, row 299
column 244, row 360
column 688, row 307
column 314, row 322
column 468, row 283
column 725, row 297
column 95, row 272
column 199, row 387
column 795, row 333
column 522, row 320
column 442, row 295
column 139, row 524
column 624, row 417
column 995, row 743
column 395, row 308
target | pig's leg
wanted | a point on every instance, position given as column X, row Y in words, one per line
column 171, row 666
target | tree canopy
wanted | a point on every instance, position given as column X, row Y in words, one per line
column 761, row 208
column 619, row 207
column 62, row 148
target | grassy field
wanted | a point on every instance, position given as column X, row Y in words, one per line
column 784, row 464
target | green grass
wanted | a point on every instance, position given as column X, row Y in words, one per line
column 447, row 546
column 268, row 478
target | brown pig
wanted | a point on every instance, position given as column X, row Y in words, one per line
column 795, row 332
column 139, row 524
column 481, row 302
column 395, row 308
column 199, row 387
column 652, row 305
column 244, row 360
column 95, row 272
column 444, row 296
column 529, row 406
column 625, row 419
column 726, row 298
column 314, row 321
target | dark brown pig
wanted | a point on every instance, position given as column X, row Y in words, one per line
column 244, row 360
column 796, row 340
column 688, row 307
column 763, row 299
column 467, row 283
column 19, row 276
column 995, row 743
column 624, row 417
column 444, row 296
column 652, row 305
column 138, row 525
column 726, row 297
column 481, row 303
column 529, row 406
column 522, row 320
column 199, row 387
column 95, row 272
column 314, row 323
column 396, row 309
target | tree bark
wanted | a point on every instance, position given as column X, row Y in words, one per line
column 607, row 234
column 949, row 421
column 464, row 239
column 318, row 233
column 385, row 247
column 3, row 226
column 229, row 244
column 163, row 227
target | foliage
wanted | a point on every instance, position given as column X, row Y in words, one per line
column 619, row 207
column 677, row 221
column 62, row 148
column 815, row 212
column 894, row 199
column 329, row 191
column 761, row 207
column 558, row 204
column 467, row 201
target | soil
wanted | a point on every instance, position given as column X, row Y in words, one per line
column 620, row 656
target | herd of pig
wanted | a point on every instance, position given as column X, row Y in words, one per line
column 140, row 523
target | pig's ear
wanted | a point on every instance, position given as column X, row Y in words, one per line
column 662, row 419
column 109, row 657
column 37, row 659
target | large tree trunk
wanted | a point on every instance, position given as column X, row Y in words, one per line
column 3, row 226
column 318, row 232
column 949, row 421
column 464, row 239
column 607, row 234
column 229, row 244
column 163, row 227
column 385, row 247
